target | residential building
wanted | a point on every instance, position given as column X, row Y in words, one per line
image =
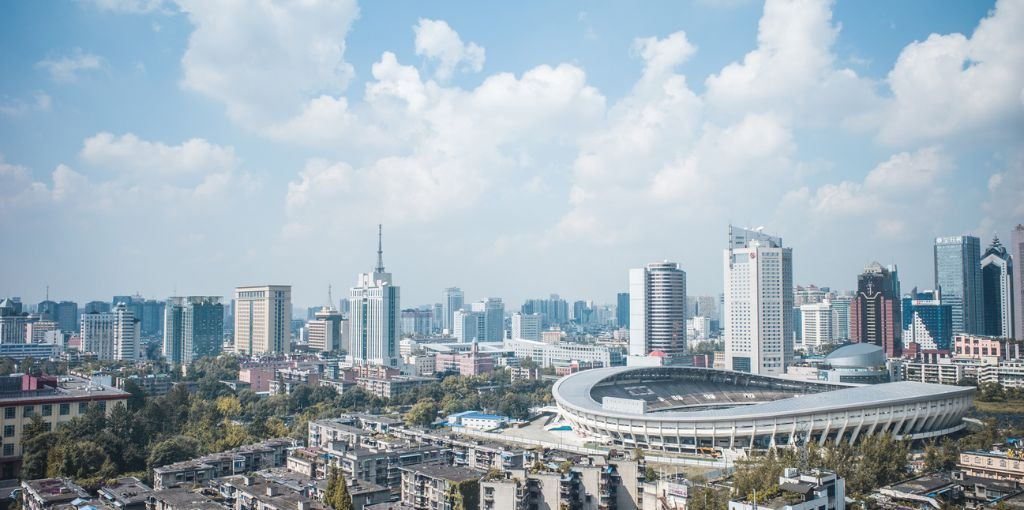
column 453, row 301
column 622, row 310
column 657, row 308
column 758, row 302
column 259, row 374
column 997, row 291
column 554, row 310
column 958, row 279
column 97, row 331
column 980, row 347
column 469, row 326
column 127, row 334
column 427, row 487
column 263, row 316
column 875, row 309
column 927, row 321
column 526, row 327
column 55, row 400
column 287, row 379
column 328, row 331
column 563, row 353
column 801, row 490
column 1017, row 253
column 193, row 328
column 493, row 311
column 996, row 465
column 841, row 318
column 12, row 322
column 373, row 323
column 260, row 492
column 96, row 307
column 47, row 493
column 181, row 499
column 244, row 459
column 43, row 332
column 816, row 322
column 128, row 493
column 1008, row 374
column 467, row 364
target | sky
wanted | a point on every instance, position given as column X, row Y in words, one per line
column 511, row 149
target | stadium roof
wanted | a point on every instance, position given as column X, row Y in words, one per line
column 575, row 389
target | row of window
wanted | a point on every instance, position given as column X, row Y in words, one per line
column 64, row 409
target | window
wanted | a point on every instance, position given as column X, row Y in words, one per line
column 65, row 409
column 8, row 430
column 47, row 409
column 28, row 411
column 83, row 407
column 103, row 405
column 8, row 450
column 9, row 413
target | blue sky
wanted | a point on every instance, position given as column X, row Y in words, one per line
column 514, row 150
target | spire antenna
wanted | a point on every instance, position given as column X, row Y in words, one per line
column 329, row 298
column 380, row 249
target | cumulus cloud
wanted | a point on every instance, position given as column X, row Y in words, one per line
column 436, row 40
column 20, row 191
column 129, row 153
column 67, row 68
column 264, row 60
column 952, row 84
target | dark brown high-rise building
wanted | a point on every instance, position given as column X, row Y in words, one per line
column 875, row 310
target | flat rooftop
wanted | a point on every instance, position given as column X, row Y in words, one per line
column 450, row 473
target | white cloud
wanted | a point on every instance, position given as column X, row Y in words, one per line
column 66, row 68
column 438, row 41
column 130, row 6
column 41, row 102
column 265, row 60
column 130, row 154
column 952, row 84
column 19, row 191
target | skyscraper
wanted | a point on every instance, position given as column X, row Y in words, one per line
column 453, row 300
column 525, row 327
column 494, row 319
column 417, row 321
column 327, row 330
column 958, row 279
column 468, row 326
column 622, row 310
column 263, row 316
column 816, row 321
column 374, row 321
column 875, row 309
column 193, row 328
column 841, row 318
column 1017, row 252
column 997, row 291
column 758, row 302
column 67, row 316
column 47, row 310
column 96, row 307
column 657, row 309
column 97, row 330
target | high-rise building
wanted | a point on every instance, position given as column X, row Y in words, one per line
column 327, row 330
column 263, row 316
column 494, row 319
column 374, row 325
column 96, row 307
column 816, row 321
column 927, row 320
column 193, row 328
column 453, row 301
column 804, row 295
column 43, row 332
column 622, row 310
column 47, row 310
column 417, row 321
column 1017, row 253
column 657, row 309
column 438, row 317
column 67, row 316
column 468, row 326
column 997, row 291
column 554, row 311
column 958, row 279
column 758, row 302
column 526, row 327
column 12, row 323
column 127, row 335
column 875, row 309
column 97, row 331
column 841, row 318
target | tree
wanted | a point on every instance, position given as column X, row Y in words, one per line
column 650, row 474
column 35, row 454
column 169, row 451
column 423, row 413
column 78, row 459
column 337, row 495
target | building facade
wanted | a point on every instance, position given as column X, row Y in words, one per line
column 997, row 291
column 454, row 299
column 958, row 279
column 816, row 322
column 657, row 308
column 327, row 331
column 374, row 327
column 758, row 303
column 193, row 328
column 1017, row 253
column 526, row 327
column 927, row 321
column 263, row 316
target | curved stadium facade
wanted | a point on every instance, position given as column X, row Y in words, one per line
column 681, row 409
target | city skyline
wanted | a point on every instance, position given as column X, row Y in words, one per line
column 411, row 116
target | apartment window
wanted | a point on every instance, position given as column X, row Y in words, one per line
column 47, row 409
column 65, row 409
column 8, row 430
column 28, row 411
column 8, row 450
column 9, row 413
column 83, row 407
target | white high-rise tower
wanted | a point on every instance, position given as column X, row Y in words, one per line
column 657, row 309
column 263, row 319
column 374, row 318
column 758, row 303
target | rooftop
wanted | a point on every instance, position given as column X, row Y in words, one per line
column 184, row 498
column 55, row 490
column 68, row 388
column 126, row 491
column 450, row 473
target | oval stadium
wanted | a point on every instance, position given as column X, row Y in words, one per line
column 703, row 410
